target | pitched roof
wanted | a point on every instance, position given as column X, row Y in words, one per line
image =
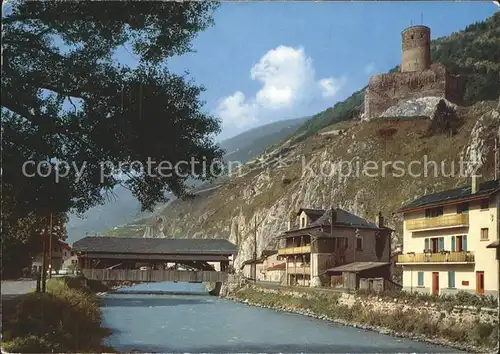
column 279, row 266
column 158, row 257
column 139, row 245
column 344, row 218
column 312, row 213
column 64, row 244
column 453, row 195
column 358, row 266
column 494, row 244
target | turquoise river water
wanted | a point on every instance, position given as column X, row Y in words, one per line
column 197, row 322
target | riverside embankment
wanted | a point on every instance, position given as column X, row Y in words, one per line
column 199, row 323
column 66, row 318
column 472, row 329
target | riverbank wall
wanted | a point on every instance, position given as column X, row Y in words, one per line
column 66, row 318
column 472, row 329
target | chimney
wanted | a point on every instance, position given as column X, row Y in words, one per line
column 474, row 184
column 380, row 219
column 333, row 216
column 289, row 225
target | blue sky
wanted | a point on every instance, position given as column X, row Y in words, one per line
column 266, row 61
column 342, row 43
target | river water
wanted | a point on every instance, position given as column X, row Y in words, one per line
column 197, row 322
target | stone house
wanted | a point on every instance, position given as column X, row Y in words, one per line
column 268, row 267
column 446, row 237
column 318, row 241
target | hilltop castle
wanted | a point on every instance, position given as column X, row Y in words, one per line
column 418, row 76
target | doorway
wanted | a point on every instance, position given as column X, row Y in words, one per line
column 435, row 283
column 480, row 283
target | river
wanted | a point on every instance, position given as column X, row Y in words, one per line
column 197, row 322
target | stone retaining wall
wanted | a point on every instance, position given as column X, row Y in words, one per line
column 452, row 322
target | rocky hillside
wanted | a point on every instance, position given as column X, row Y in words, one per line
column 311, row 168
column 307, row 174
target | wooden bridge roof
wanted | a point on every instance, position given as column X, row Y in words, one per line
column 139, row 245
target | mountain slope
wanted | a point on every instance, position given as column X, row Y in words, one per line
column 307, row 175
column 247, row 145
column 271, row 194
column 123, row 207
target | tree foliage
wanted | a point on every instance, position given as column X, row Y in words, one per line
column 66, row 98
column 444, row 120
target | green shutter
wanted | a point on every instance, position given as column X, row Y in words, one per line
column 420, row 278
column 441, row 243
column 451, row 279
column 426, row 244
column 453, row 247
column 464, row 242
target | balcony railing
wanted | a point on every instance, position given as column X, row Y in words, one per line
column 294, row 250
column 450, row 257
column 300, row 269
column 443, row 221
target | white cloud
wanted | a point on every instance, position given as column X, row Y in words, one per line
column 284, row 73
column 369, row 68
column 330, row 86
column 236, row 112
column 288, row 80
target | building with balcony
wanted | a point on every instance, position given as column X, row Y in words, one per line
column 319, row 240
column 446, row 237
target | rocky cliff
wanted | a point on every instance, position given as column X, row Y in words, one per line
column 373, row 166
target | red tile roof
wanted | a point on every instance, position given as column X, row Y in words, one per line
column 279, row 266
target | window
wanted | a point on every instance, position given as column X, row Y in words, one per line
column 302, row 222
column 359, row 243
column 420, row 281
column 459, row 243
column 435, row 244
column 433, row 212
column 451, row 279
column 484, row 234
column 485, row 204
column 463, row 208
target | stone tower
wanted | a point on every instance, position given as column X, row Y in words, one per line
column 416, row 53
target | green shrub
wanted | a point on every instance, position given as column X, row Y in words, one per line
column 29, row 344
column 62, row 319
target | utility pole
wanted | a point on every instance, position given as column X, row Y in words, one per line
column 50, row 247
column 255, row 251
column 44, row 264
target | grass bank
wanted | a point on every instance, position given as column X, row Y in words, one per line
column 66, row 318
column 434, row 325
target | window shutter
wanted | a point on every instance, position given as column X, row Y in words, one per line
column 464, row 242
column 426, row 244
column 420, row 278
column 453, row 247
column 451, row 279
column 441, row 243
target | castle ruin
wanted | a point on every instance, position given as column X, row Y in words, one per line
column 418, row 77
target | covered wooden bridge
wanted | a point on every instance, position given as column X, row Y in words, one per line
column 155, row 259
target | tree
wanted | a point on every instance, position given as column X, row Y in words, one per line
column 444, row 120
column 67, row 101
